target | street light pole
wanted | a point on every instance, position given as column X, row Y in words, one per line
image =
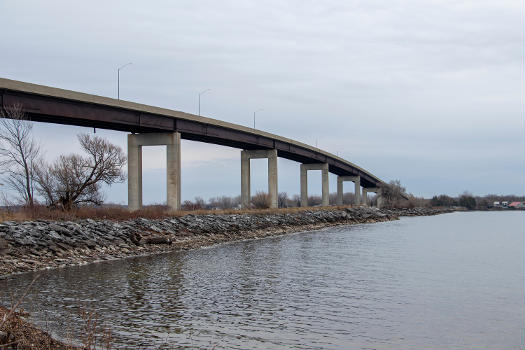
column 118, row 78
column 201, row 93
column 260, row 109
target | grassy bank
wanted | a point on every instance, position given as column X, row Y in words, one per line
column 118, row 213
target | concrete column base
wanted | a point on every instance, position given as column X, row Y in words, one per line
column 245, row 180
column 304, row 186
column 379, row 200
column 304, row 183
column 134, row 174
column 173, row 186
column 246, row 156
column 378, row 192
column 173, row 169
column 357, row 182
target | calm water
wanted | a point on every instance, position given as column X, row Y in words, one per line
column 453, row 281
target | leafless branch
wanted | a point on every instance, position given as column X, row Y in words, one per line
column 74, row 179
column 19, row 152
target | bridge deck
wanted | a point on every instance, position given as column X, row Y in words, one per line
column 53, row 105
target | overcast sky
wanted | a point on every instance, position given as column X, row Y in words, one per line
column 427, row 92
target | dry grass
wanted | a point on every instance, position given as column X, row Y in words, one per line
column 121, row 213
column 20, row 334
column 94, row 336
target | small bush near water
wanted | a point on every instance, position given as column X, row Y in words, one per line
column 18, row 334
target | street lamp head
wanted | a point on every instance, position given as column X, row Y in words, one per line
column 123, row 66
column 203, row 92
column 118, row 78
column 200, row 93
column 260, row 109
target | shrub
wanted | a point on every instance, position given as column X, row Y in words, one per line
column 261, row 200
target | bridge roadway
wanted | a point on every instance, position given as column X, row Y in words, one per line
column 153, row 126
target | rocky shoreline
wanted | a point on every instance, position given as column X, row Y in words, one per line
column 36, row 245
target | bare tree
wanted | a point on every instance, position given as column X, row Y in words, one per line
column 394, row 195
column 19, row 153
column 223, row 202
column 261, row 200
column 197, row 204
column 282, row 200
column 73, row 180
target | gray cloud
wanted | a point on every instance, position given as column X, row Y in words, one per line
column 430, row 92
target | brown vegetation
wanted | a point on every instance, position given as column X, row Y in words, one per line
column 394, row 196
column 122, row 213
column 261, row 200
column 15, row 333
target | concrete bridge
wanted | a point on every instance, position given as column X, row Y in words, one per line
column 150, row 126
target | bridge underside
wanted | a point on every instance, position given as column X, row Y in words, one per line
column 51, row 109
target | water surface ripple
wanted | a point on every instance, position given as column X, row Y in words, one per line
column 453, row 281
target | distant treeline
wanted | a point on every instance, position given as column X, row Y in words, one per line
column 394, row 196
column 260, row 200
column 472, row 202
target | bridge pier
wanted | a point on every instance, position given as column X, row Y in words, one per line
column 304, row 183
column 377, row 191
column 134, row 175
column 246, row 156
column 173, row 179
column 357, row 183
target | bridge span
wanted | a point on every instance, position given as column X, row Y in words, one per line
column 150, row 125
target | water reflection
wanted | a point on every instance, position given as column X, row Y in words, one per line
column 415, row 283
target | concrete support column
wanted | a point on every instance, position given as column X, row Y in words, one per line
column 304, row 186
column 325, row 184
column 365, row 198
column 377, row 191
column 357, row 190
column 272, row 179
column 245, row 180
column 339, row 190
column 134, row 174
column 173, row 170
column 357, row 182
column 246, row 155
column 379, row 198
column 173, row 155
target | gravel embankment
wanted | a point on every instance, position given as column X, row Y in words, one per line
column 35, row 245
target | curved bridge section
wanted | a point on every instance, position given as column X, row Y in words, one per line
column 153, row 125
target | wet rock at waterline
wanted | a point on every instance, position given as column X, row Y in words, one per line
column 34, row 245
